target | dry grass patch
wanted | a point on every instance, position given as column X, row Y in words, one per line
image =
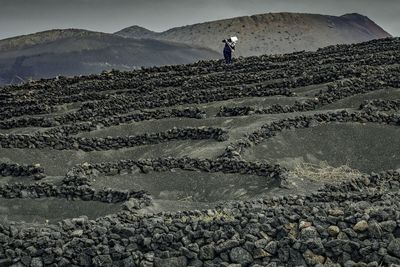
column 324, row 172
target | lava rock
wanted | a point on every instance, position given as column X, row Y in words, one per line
column 361, row 226
column 207, row 252
column 394, row 247
column 240, row 255
column 333, row 230
column 171, row 262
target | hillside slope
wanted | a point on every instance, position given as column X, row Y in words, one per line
column 271, row 33
column 24, row 41
column 80, row 52
column 290, row 160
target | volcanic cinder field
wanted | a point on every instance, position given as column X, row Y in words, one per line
column 286, row 160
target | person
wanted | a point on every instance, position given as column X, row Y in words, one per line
column 229, row 48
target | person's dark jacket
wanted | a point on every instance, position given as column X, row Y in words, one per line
column 228, row 49
column 229, row 45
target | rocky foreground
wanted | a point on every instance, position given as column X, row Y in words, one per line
column 354, row 222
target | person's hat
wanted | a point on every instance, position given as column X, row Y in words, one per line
column 234, row 39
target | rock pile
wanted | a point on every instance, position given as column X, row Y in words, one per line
column 380, row 105
column 285, row 231
column 17, row 170
column 19, row 110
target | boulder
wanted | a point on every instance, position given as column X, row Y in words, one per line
column 394, row 247
column 207, row 252
column 333, row 230
column 361, row 226
column 171, row 262
column 240, row 255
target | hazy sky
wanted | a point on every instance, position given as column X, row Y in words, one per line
column 26, row 16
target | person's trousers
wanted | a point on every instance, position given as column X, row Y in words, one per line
column 228, row 56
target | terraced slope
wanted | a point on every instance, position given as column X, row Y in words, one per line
column 288, row 160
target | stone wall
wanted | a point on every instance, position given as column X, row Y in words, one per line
column 380, row 105
column 86, row 193
column 91, row 119
column 17, row 170
column 338, row 90
column 108, row 143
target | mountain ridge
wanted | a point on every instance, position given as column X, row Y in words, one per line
column 270, row 33
column 26, row 40
column 80, row 52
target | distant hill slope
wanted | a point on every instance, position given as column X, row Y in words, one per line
column 271, row 33
column 80, row 52
column 24, row 41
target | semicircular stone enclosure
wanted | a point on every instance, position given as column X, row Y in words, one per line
column 287, row 160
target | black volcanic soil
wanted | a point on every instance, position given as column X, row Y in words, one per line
column 193, row 165
column 360, row 146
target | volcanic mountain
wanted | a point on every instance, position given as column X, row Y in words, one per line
column 272, row 33
column 79, row 52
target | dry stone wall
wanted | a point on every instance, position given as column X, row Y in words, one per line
column 381, row 105
column 336, row 91
column 109, row 143
column 17, row 170
column 86, row 193
column 90, row 120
